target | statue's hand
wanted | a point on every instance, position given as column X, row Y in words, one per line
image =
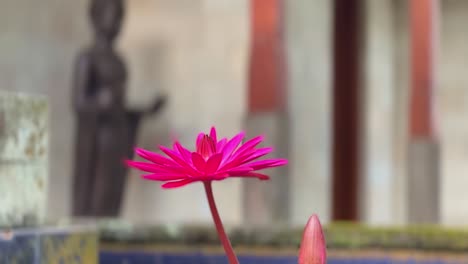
column 158, row 104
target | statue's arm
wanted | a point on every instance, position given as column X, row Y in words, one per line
column 158, row 104
column 82, row 73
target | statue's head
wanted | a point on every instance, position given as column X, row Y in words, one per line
column 106, row 16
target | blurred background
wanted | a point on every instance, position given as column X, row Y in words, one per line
column 368, row 100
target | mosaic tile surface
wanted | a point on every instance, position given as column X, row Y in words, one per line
column 17, row 248
column 39, row 246
column 78, row 248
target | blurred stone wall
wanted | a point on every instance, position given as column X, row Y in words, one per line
column 196, row 52
column 38, row 41
column 176, row 47
column 389, row 204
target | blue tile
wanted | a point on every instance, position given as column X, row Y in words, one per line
column 19, row 248
column 40, row 246
column 194, row 258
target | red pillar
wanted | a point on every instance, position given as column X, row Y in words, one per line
column 267, row 203
column 267, row 63
column 346, row 110
column 422, row 19
column 424, row 153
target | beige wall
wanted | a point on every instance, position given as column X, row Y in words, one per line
column 309, row 53
column 176, row 47
column 181, row 48
column 378, row 55
column 452, row 97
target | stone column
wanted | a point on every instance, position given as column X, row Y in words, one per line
column 309, row 60
column 401, row 117
column 453, row 107
column 423, row 169
column 379, row 104
column 267, row 202
column 23, row 159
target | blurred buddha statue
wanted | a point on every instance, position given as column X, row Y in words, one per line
column 105, row 129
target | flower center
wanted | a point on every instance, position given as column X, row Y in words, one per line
column 206, row 147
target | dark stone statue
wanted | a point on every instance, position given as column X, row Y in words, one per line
column 106, row 130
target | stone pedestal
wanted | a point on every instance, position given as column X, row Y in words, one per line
column 23, row 159
column 267, row 202
column 423, row 182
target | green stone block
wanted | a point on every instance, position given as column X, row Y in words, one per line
column 23, row 159
column 22, row 193
column 24, row 128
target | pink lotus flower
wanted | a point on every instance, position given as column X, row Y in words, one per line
column 213, row 160
column 313, row 247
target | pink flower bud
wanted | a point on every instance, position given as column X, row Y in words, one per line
column 313, row 248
